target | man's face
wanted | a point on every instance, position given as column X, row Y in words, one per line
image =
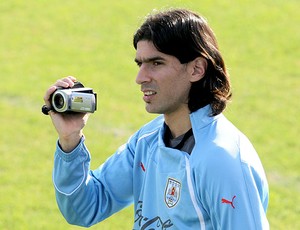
column 165, row 82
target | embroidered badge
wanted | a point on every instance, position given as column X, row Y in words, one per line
column 172, row 192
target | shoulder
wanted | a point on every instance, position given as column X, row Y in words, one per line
column 218, row 149
column 224, row 157
column 218, row 136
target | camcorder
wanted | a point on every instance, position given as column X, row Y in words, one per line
column 77, row 99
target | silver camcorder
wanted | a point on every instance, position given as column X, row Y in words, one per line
column 75, row 99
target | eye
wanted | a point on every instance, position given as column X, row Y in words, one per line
column 156, row 63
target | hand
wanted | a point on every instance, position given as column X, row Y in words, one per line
column 68, row 126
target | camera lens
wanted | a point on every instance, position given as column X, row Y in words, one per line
column 59, row 101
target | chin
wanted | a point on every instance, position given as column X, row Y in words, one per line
column 150, row 109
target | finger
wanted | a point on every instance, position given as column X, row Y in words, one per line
column 70, row 80
column 63, row 83
column 51, row 113
column 48, row 94
column 66, row 82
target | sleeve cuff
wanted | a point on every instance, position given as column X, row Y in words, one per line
column 73, row 154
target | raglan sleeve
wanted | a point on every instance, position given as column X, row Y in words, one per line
column 236, row 190
column 86, row 197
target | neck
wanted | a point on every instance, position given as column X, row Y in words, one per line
column 179, row 123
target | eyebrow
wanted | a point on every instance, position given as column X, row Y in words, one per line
column 150, row 59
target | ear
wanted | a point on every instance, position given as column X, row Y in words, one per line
column 198, row 69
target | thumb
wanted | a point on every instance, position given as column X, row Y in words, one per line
column 48, row 94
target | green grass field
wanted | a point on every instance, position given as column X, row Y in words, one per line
column 42, row 41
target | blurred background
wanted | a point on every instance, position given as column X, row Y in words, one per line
column 42, row 41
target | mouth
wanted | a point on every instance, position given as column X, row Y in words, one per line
column 148, row 95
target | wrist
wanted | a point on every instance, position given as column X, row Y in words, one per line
column 70, row 142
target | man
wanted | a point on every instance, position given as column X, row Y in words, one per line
column 189, row 168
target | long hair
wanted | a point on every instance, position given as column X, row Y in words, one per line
column 186, row 35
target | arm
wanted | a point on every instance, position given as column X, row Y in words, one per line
column 87, row 197
column 238, row 204
column 237, row 190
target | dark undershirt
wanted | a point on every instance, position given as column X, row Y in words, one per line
column 184, row 142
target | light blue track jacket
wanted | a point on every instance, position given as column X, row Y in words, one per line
column 221, row 185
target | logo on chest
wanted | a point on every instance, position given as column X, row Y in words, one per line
column 172, row 192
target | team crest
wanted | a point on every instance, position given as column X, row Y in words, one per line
column 172, row 192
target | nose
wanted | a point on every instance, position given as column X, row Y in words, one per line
column 142, row 76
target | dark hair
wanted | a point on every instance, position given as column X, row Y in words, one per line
column 186, row 35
